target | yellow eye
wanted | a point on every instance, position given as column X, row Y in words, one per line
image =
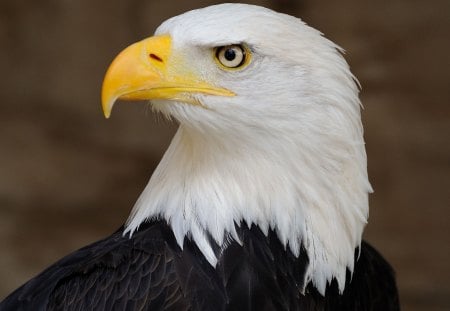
column 232, row 56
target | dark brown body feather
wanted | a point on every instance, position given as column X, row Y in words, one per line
column 151, row 272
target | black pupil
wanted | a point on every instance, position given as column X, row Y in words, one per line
column 230, row 54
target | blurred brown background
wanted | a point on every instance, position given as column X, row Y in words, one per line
column 69, row 177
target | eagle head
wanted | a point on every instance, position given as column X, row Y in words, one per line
column 270, row 133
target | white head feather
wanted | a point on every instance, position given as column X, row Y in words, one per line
column 286, row 153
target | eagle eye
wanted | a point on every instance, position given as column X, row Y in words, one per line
column 232, row 56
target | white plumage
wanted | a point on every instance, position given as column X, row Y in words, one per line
column 287, row 152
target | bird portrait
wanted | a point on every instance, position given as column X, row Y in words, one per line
column 261, row 199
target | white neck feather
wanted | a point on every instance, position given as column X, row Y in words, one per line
column 311, row 195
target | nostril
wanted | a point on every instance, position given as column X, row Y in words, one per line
column 155, row 57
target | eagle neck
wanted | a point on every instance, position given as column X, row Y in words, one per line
column 207, row 183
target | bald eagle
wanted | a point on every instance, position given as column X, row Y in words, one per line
column 259, row 202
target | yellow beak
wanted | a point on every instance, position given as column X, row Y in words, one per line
column 147, row 70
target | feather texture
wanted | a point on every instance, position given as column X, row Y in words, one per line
column 151, row 272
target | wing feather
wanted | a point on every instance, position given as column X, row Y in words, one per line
column 115, row 273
